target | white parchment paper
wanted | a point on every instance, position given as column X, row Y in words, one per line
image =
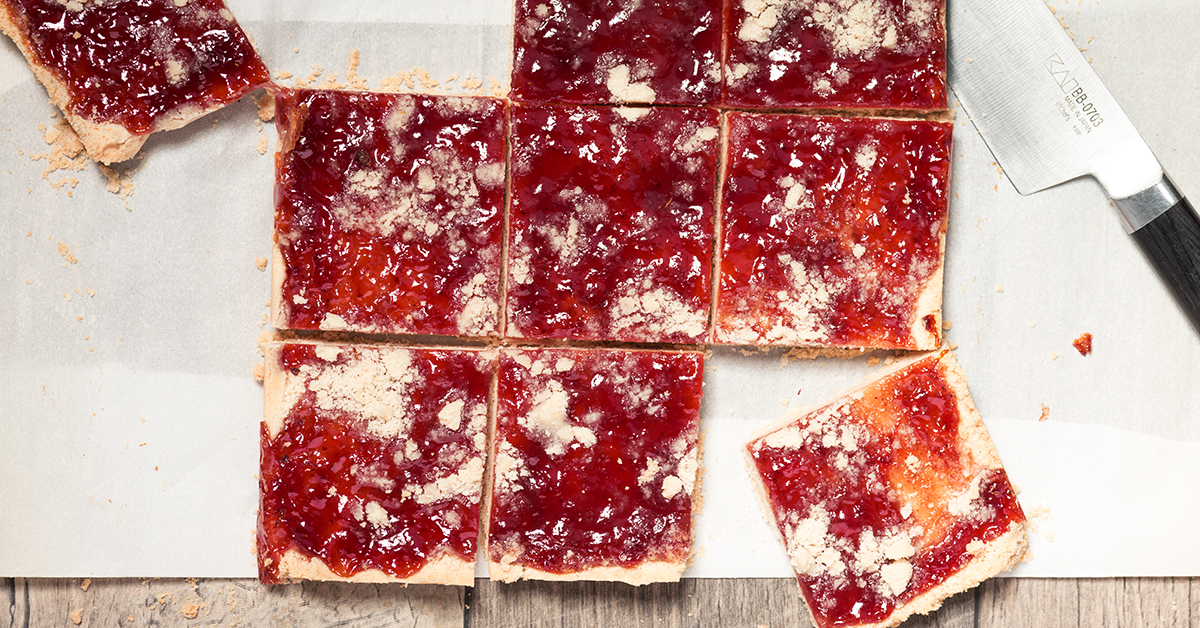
column 129, row 419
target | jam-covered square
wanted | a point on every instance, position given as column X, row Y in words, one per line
column 388, row 213
column 617, row 51
column 611, row 224
column 833, row 232
column 890, row 499
column 142, row 65
column 595, row 465
column 372, row 463
column 873, row 54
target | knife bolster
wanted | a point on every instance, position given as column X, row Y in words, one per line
column 1142, row 208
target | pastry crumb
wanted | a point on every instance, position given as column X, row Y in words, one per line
column 77, row 616
column 189, row 610
column 261, row 263
column 1045, row 413
column 118, row 183
column 65, row 252
column 266, row 104
column 352, row 79
column 258, row 372
column 263, row 145
column 999, row 287
column 85, row 583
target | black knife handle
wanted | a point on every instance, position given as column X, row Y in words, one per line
column 1172, row 242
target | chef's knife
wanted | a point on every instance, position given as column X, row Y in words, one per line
column 1048, row 119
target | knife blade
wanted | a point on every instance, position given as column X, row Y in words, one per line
column 1047, row 118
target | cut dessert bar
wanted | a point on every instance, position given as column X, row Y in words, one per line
column 388, row 213
column 873, row 54
column 833, row 232
column 372, row 463
column 611, row 223
column 595, row 465
column 617, row 51
column 122, row 69
column 890, row 499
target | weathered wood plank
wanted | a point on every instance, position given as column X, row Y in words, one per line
column 170, row 602
column 692, row 602
column 1013, row 602
column 703, row 603
column 1162, row 602
column 1115, row 603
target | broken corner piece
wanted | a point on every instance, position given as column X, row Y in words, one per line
column 891, row 498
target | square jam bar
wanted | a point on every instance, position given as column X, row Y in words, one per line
column 170, row 63
column 595, row 465
column 833, row 232
column 611, row 226
column 617, row 51
column 388, row 213
column 890, row 499
column 372, row 463
column 873, row 54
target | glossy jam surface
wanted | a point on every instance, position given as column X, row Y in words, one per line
column 1083, row 344
column 884, row 54
column 596, row 457
column 615, row 51
column 131, row 62
column 832, row 230
column 388, row 212
column 611, row 223
column 379, row 461
column 877, row 499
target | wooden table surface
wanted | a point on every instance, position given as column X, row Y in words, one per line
column 1000, row 603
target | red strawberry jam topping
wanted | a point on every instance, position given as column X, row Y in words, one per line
column 877, row 500
column 375, row 460
column 616, row 51
column 596, row 458
column 833, row 231
column 388, row 212
column 884, row 54
column 612, row 221
column 132, row 62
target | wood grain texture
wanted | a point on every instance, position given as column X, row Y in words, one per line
column 170, row 603
column 998, row 603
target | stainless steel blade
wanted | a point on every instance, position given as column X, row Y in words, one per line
column 1039, row 105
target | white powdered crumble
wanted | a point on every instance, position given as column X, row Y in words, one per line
column 549, row 418
column 657, row 312
column 761, row 18
column 866, row 155
column 479, row 303
column 372, row 384
column 451, row 414
column 377, row 516
column 624, row 91
column 467, row 482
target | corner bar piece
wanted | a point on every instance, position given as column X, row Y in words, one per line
column 388, row 213
column 372, row 463
column 890, row 499
column 596, row 464
column 833, row 232
column 170, row 62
